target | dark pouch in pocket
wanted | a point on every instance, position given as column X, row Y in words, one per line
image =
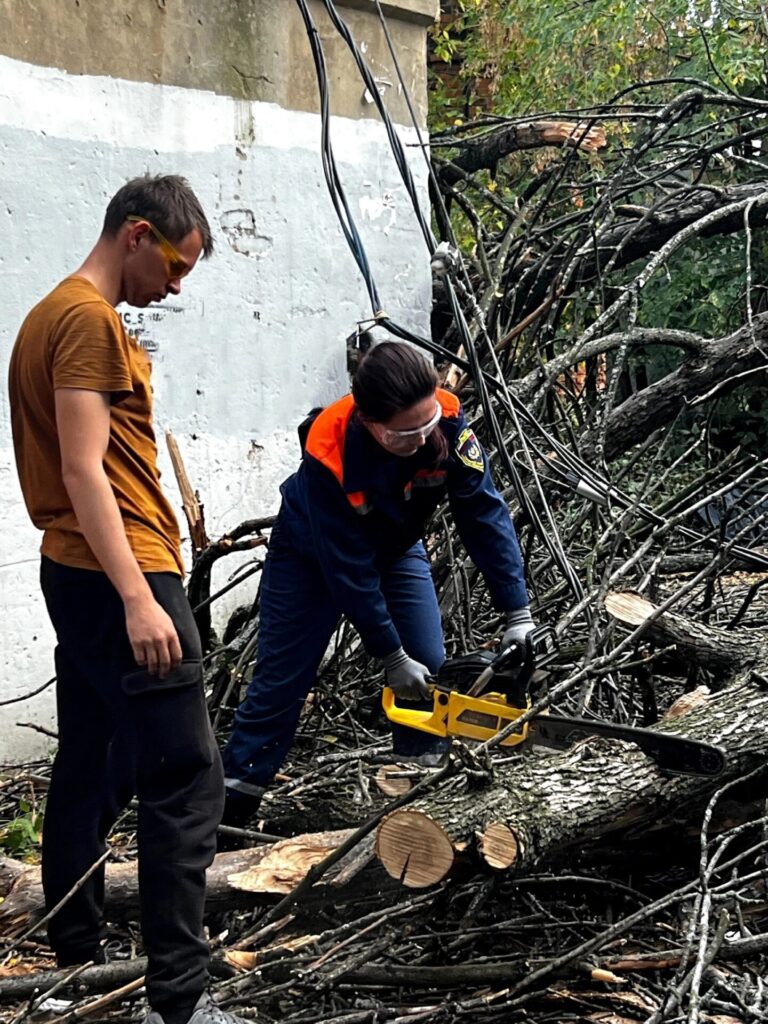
column 188, row 673
column 168, row 722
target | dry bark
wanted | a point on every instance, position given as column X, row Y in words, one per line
column 237, row 879
column 485, row 152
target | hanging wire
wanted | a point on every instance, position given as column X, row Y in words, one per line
column 572, row 471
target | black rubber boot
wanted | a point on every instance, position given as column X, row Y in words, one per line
column 239, row 811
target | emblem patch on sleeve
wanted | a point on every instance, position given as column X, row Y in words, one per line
column 469, row 451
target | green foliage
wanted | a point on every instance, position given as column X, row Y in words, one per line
column 521, row 56
column 668, row 85
column 702, row 288
column 22, row 834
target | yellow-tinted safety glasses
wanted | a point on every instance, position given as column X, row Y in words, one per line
column 177, row 267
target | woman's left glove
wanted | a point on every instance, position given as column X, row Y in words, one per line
column 519, row 625
column 409, row 679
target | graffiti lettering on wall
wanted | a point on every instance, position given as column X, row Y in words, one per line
column 142, row 324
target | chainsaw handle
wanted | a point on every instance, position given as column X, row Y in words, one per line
column 426, row 720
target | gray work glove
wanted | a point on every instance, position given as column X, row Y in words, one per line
column 519, row 625
column 406, row 677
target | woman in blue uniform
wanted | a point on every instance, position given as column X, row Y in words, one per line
column 348, row 541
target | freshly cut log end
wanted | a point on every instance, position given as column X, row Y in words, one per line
column 389, row 779
column 498, row 846
column 414, row 849
column 629, row 606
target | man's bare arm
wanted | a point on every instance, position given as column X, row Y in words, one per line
column 82, row 421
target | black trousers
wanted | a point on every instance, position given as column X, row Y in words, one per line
column 123, row 731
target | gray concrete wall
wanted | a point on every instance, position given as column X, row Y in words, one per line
column 249, row 49
column 95, row 92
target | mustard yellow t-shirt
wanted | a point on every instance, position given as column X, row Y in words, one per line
column 74, row 338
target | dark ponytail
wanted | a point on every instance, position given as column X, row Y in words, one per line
column 392, row 377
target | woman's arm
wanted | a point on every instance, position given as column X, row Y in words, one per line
column 485, row 525
column 347, row 559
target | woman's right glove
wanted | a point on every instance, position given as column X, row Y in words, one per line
column 408, row 679
column 519, row 624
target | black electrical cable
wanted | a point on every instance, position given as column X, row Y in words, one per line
column 553, row 544
column 577, row 474
column 394, row 138
column 338, row 197
column 438, row 196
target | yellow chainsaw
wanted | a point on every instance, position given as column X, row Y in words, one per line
column 477, row 695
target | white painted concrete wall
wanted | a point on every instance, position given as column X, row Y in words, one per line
column 257, row 336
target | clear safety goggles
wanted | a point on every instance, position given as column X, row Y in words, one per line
column 404, row 437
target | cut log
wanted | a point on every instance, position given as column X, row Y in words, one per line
column 235, row 880
column 544, row 806
column 497, row 845
column 721, row 651
column 390, row 779
column 415, row 847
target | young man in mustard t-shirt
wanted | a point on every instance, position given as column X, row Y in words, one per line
column 131, row 705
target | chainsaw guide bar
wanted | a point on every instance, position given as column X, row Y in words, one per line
column 462, row 706
column 674, row 755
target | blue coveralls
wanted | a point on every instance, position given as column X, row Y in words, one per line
column 347, row 541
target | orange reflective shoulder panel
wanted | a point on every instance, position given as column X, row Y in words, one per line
column 449, row 403
column 325, row 441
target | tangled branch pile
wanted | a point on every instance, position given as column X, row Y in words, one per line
column 612, row 277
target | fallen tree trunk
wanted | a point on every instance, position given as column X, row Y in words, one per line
column 235, row 880
column 99, row 978
column 710, row 364
column 486, row 151
column 724, row 652
column 717, row 366
column 540, row 808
